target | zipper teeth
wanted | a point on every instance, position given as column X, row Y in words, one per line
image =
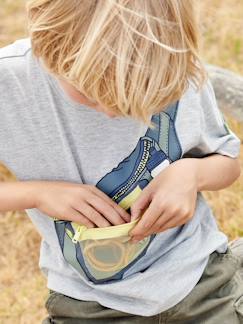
column 141, row 166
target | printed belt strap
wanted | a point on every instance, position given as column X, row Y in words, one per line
column 103, row 261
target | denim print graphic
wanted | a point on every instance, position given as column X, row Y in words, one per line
column 154, row 151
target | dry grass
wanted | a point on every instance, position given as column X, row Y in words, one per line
column 222, row 26
column 23, row 287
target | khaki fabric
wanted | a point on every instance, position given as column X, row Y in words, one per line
column 216, row 299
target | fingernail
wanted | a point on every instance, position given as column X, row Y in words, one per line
column 134, row 215
column 135, row 241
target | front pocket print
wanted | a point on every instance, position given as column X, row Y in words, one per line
column 101, row 254
column 105, row 254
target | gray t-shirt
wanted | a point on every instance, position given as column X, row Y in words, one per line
column 44, row 135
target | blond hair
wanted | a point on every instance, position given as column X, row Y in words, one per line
column 132, row 57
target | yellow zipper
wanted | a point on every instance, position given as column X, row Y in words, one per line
column 83, row 233
column 79, row 232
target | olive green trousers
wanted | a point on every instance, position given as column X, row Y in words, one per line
column 216, row 299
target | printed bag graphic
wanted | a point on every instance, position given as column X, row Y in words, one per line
column 105, row 254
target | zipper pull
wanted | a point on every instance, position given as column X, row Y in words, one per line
column 78, row 233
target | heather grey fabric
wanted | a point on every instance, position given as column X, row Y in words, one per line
column 44, row 135
column 217, row 298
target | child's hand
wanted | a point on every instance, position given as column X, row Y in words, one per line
column 167, row 201
column 80, row 203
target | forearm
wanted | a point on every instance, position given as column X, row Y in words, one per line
column 17, row 195
column 216, row 172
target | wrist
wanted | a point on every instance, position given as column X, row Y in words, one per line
column 31, row 193
column 197, row 166
column 192, row 168
column 17, row 195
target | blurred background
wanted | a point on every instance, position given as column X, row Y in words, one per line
column 22, row 286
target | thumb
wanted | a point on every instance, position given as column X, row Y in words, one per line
column 140, row 204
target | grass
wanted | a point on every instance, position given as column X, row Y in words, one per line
column 222, row 28
column 22, row 286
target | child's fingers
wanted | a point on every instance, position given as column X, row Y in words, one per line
column 173, row 222
column 101, row 194
column 125, row 215
column 149, row 217
column 90, row 212
column 163, row 219
column 77, row 217
column 108, row 211
column 142, row 202
column 122, row 212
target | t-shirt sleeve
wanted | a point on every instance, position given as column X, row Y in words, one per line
column 215, row 134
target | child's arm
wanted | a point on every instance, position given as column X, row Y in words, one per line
column 173, row 192
column 81, row 203
column 16, row 195
column 216, row 172
column 209, row 162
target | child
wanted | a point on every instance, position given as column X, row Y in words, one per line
column 77, row 99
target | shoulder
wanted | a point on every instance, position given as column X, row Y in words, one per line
column 15, row 69
column 197, row 104
column 194, row 108
column 19, row 48
column 13, row 58
column 194, row 96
